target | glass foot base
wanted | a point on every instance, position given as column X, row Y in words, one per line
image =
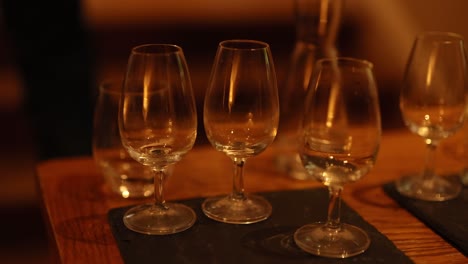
column 321, row 241
column 226, row 209
column 437, row 189
column 153, row 220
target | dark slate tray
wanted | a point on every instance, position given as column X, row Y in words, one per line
column 449, row 219
column 269, row 241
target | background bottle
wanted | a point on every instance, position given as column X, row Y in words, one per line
column 317, row 26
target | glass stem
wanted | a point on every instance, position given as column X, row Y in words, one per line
column 238, row 179
column 429, row 166
column 334, row 208
column 159, row 179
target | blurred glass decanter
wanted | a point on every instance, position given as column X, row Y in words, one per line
column 456, row 148
column 317, row 25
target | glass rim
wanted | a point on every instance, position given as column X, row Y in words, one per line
column 244, row 44
column 156, row 49
column 448, row 34
column 362, row 62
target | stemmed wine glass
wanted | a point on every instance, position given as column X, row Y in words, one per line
column 433, row 103
column 340, row 139
column 158, row 125
column 241, row 114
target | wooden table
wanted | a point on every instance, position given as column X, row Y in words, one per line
column 76, row 201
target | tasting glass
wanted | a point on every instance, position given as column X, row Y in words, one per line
column 241, row 114
column 125, row 176
column 158, row 126
column 433, row 103
column 340, row 139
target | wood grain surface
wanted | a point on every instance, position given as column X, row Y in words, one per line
column 76, row 201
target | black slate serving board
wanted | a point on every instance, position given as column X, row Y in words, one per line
column 447, row 218
column 270, row 241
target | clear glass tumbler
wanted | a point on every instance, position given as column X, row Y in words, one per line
column 125, row 176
